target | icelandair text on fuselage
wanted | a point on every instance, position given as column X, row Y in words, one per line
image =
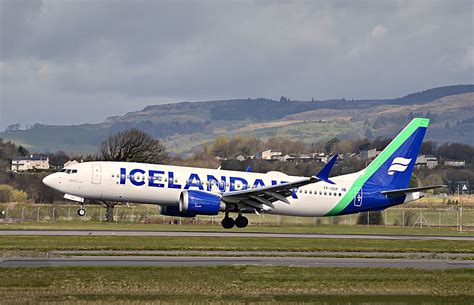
column 157, row 178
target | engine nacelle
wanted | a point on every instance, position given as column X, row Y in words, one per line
column 174, row 211
column 200, row 203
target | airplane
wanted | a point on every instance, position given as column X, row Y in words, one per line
column 188, row 191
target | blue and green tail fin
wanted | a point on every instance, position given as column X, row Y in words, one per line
column 391, row 170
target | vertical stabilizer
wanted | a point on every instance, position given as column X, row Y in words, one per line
column 391, row 169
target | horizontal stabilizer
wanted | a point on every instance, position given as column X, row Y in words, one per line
column 323, row 174
column 411, row 190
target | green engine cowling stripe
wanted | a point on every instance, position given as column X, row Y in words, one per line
column 375, row 165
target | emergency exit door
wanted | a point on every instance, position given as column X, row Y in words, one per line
column 96, row 174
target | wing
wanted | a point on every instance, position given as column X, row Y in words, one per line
column 265, row 196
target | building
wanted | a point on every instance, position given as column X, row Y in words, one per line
column 283, row 158
column 305, row 158
column 369, row 154
column 264, row 155
column 31, row 162
column 268, row 155
column 68, row 163
column 275, row 154
column 454, row 163
column 240, row 158
column 427, row 160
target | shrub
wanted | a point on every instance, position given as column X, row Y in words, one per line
column 375, row 218
column 19, row 196
column 6, row 193
column 9, row 194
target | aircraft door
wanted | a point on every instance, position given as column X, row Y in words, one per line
column 96, row 174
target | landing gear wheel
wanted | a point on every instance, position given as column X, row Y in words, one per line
column 227, row 223
column 81, row 212
column 241, row 222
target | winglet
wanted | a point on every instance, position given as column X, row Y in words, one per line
column 324, row 172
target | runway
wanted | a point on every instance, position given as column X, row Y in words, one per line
column 417, row 260
column 136, row 261
column 372, row 254
column 223, row 234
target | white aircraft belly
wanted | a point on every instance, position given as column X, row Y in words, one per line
column 305, row 206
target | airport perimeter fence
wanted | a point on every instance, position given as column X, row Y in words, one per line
column 399, row 217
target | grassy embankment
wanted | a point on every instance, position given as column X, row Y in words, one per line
column 143, row 285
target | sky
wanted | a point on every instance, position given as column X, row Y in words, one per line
column 71, row 62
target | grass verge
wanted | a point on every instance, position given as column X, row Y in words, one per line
column 235, row 284
column 286, row 228
column 47, row 243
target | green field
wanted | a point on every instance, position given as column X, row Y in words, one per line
column 217, row 285
column 216, row 227
column 47, row 243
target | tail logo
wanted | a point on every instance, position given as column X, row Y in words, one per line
column 399, row 164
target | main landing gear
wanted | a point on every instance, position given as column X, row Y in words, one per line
column 240, row 222
column 81, row 212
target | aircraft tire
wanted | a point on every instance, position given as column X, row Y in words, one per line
column 81, row 212
column 241, row 222
column 227, row 223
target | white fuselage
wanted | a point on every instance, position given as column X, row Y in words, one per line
column 163, row 184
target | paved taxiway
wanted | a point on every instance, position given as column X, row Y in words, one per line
column 234, row 261
column 224, row 234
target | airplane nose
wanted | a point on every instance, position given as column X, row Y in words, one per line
column 49, row 180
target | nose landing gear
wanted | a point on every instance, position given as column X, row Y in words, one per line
column 81, row 212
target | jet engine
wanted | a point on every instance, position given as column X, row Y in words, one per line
column 174, row 211
column 200, row 203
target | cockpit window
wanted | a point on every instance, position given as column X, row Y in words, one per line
column 68, row 171
column 62, row 170
column 73, row 171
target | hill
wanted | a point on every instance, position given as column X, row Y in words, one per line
column 183, row 126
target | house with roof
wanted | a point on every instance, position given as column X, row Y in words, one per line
column 428, row 161
column 31, row 162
